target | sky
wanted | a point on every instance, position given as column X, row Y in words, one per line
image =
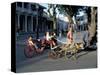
column 46, row 5
column 61, row 16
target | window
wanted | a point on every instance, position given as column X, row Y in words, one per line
column 33, row 7
column 25, row 5
column 19, row 4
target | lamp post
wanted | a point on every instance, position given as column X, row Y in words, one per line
column 37, row 29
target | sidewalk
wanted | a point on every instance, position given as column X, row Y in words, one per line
column 21, row 40
column 78, row 37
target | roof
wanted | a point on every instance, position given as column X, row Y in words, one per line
column 39, row 5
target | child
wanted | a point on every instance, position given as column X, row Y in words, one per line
column 30, row 41
column 38, row 46
column 69, row 36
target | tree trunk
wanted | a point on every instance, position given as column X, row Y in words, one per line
column 70, row 19
column 92, row 27
column 54, row 23
column 53, row 15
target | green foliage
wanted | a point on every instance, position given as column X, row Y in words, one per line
column 68, row 10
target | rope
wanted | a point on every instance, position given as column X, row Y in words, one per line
column 60, row 41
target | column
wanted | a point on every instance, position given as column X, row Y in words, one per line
column 25, row 23
column 31, row 23
column 22, row 5
column 18, row 16
column 46, row 25
column 42, row 26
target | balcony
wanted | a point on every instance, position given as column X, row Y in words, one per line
column 28, row 8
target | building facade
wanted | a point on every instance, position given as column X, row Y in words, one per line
column 82, row 20
column 30, row 16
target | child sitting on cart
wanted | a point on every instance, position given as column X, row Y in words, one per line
column 35, row 44
column 49, row 39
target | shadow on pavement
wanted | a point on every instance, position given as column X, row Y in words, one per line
column 33, row 60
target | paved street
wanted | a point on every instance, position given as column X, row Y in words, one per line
column 43, row 63
column 86, row 59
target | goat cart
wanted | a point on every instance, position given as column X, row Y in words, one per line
column 66, row 50
column 37, row 46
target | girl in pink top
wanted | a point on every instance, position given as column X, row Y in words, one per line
column 69, row 36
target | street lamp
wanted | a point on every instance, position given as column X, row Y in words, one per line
column 37, row 29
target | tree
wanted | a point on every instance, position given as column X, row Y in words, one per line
column 52, row 14
column 69, row 11
column 92, row 26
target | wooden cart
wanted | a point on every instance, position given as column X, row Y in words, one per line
column 65, row 50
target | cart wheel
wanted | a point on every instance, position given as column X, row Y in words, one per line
column 52, row 55
column 29, row 52
column 58, row 55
